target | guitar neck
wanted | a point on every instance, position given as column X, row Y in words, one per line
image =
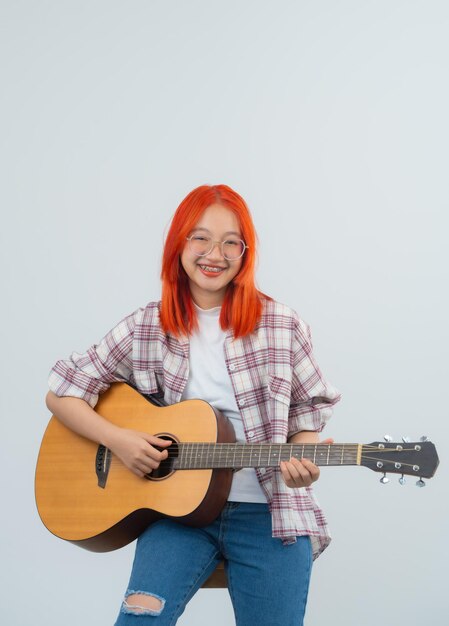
column 239, row 455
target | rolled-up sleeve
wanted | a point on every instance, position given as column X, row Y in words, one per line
column 89, row 374
column 312, row 397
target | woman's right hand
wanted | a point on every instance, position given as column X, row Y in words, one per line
column 136, row 450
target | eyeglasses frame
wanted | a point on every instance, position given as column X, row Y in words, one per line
column 217, row 243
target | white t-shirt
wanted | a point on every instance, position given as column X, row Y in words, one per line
column 209, row 380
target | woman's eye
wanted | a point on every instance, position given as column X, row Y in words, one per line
column 232, row 242
column 199, row 238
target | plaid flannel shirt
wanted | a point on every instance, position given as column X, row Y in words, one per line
column 277, row 385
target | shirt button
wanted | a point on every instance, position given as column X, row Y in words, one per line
column 251, row 433
column 232, row 366
column 262, row 470
column 241, row 402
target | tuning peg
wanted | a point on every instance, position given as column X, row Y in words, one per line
column 388, row 438
column 406, row 439
column 424, row 438
column 402, row 480
column 384, row 480
column 420, row 483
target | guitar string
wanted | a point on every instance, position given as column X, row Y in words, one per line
column 342, row 454
column 334, row 459
column 332, row 451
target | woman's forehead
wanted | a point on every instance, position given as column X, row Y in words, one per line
column 218, row 218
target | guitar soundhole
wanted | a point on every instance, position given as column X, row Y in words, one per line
column 166, row 468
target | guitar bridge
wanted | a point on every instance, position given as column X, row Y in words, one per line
column 102, row 465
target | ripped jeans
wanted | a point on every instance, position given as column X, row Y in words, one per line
column 268, row 582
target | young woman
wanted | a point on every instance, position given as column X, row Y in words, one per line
column 214, row 336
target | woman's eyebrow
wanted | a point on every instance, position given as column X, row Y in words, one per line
column 229, row 232
column 200, row 228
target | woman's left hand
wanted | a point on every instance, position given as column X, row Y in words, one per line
column 300, row 473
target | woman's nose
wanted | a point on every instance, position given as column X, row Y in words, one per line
column 216, row 251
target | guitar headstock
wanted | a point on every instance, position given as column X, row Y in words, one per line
column 417, row 458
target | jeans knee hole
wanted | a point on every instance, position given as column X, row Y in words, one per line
column 142, row 603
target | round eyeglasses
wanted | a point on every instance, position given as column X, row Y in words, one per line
column 231, row 248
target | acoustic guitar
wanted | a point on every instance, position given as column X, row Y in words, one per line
column 86, row 495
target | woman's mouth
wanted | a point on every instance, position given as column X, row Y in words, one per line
column 211, row 270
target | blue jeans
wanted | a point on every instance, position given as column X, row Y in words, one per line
column 268, row 582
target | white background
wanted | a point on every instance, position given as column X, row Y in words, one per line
column 331, row 119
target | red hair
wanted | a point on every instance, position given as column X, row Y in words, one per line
column 242, row 305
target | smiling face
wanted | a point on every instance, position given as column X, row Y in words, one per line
column 210, row 275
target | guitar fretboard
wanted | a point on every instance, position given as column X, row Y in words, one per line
column 235, row 456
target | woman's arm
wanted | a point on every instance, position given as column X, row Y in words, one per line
column 135, row 449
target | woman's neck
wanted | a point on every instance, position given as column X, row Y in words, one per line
column 207, row 301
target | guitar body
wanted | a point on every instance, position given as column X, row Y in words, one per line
column 73, row 504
